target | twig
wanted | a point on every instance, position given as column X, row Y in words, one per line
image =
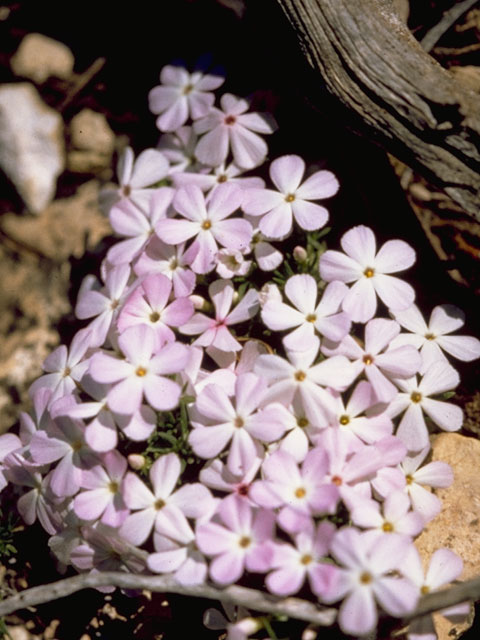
column 249, row 598
column 81, row 81
column 447, row 51
column 448, row 19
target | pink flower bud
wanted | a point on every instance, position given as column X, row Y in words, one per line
column 136, row 461
column 300, row 254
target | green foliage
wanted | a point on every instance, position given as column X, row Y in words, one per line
column 8, row 526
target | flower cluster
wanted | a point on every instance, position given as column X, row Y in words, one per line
column 311, row 457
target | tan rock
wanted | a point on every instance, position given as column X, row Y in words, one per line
column 90, row 131
column 457, row 526
column 32, row 150
column 39, row 57
column 66, row 228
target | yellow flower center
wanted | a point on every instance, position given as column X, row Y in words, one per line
column 369, row 272
column 222, row 178
column 409, row 479
column 306, row 559
column 368, row 359
column 159, row 504
column 344, row 420
column 141, row 371
column 238, row 422
column 302, row 422
column 366, row 577
column 311, row 317
column 244, row 542
column 429, row 336
column 155, row 316
column 300, row 376
column 113, row 487
column 187, row 89
column 290, row 197
column 424, row 590
column 416, row 396
column 300, row 492
column 387, row 527
column 337, row 480
column 206, row 224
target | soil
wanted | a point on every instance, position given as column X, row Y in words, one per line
column 119, row 52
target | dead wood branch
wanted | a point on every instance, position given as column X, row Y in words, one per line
column 400, row 96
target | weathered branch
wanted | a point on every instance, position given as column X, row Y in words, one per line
column 249, row 598
column 401, row 97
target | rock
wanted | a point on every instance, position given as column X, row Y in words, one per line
column 31, row 144
column 64, row 229
column 39, row 57
column 457, row 526
column 93, row 143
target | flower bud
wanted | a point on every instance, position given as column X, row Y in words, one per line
column 300, row 254
column 136, row 461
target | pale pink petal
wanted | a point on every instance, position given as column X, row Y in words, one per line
column 394, row 255
column 234, row 234
column 175, row 231
column 335, row 265
column 164, row 475
column 359, row 243
column 360, row 303
column 137, row 526
column 287, row 173
column 302, row 291
column 258, row 201
column 445, row 566
column 320, row 185
column 212, row 148
column 397, row 596
column 227, row 568
column 248, row 149
column 447, row 416
column 277, row 223
column 308, row 215
column 358, row 613
column 150, row 167
column 394, row 293
column 207, row 442
column 267, row 257
column 446, row 318
column 126, row 396
column 465, row 348
column 245, row 309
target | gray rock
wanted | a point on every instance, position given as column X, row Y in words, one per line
column 39, row 57
column 32, row 148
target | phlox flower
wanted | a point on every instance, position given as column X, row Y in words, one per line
column 137, row 226
column 413, row 401
column 239, row 539
column 164, row 509
column 214, row 331
column 445, row 566
column 396, row 517
column 187, row 564
column 63, row 441
column 103, row 549
column 306, row 314
column 64, row 367
column 293, row 564
column 434, row 338
column 149, row 304
column 364, row 577
column 434, row 474
column 217, row 176
column 134, row 177
column 102, row 497
column 205, row 221
column 300, row 493
column 358, row 428
column 181, row 95
column 142, row 372
column 232, row 128
column 231, row 263
column 376, row 360
column 103, row 305
column 370, row 271
column 266, row 255
column 158, row 257
column 300, row 431
column 179, row 149
column 216, row 475
column 299, row 379
column 8, row 442
column 238, row 420
column 292, row 200
column 101, row 432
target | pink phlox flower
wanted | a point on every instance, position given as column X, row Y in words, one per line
column 39, row 416
column 9, row 443
column 217, row 176
column 215, row 331
column 205, row 222
column 350, row 471
column 299, row 379
column 232, row 129
column 137, row 226
column 38, row 501
column 168, row 260
column 134, row 176
column 292, row 564
column 187, row 564
column 63, row 441
column 293, row 200
column 231, row 263
column 103, row 549
column 239, row 538
column 434, row 338
column 396, row 517
column 376, row 360
column 413, row 401
column 362, row 419
column 142, row 372
column 238, row 623
column 299, row 492
column 434, row 474
column 101, row 432
column 370, row 271
column 65, row 367
column 216, row 475
column 164, row 509
column 237, row 420
column 301, row 432
column 149, row 304
column 102, row 304
column 179, row 149
column 306, row 314
column 365, row 577
column 445, row 567
column 267, row 257
column 182, row 95
column 102, row 498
